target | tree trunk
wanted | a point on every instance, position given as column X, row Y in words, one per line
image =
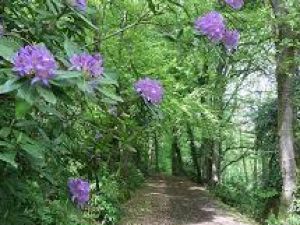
column 285, row 69
column 156, row 149
column 215, row 168
column 264, row 169
column 255, row 165
column 245, row 170
column 177, row 165
column 286, row 145
column 150, row 152
column 194, row 152
column 208, row 162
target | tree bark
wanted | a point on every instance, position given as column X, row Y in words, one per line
column 245, row 170
column 255, row 165
column 177, row 165
column 215, row 168
column 285, row 69
column 207, row 146
column 286, row 143
column 194, row 152
column 156, row 149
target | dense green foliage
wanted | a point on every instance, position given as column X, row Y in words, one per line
column 210, row 125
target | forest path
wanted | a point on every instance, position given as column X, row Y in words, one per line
column 177, row 201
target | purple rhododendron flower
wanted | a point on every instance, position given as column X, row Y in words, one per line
column 231, row 39
column 150, row 90
column 212, row 25
column 92, row 64
column 79, row 190
column 36, row 61
column 235, row 4
column 80, row 5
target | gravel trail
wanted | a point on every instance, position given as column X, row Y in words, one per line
column 178, row 201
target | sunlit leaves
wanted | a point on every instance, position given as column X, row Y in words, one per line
column 9, row 157
column 71, row 48
column 8, row 47
column 47, row 94
column 65, row 75
column 9, row 86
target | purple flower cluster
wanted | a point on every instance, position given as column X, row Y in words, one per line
column 79, row 190
column 80, row 5
column 231, row 39
column 235, row 4
column 91, row 64
column 213, row 26
column 150, row 90
column 35, row 61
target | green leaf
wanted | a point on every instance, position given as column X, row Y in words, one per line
column 22, row 107
column 111, row 74
column 26, row 123
column 47, row 95
column 110, row 95
column 48, row 177
column 7, row 144
column 9, row 157
column 51, row 7
column 9, row 86
column 50, row 110
column 9, row 47
column 108, row 101
column 108, row 81
column 63, row 75
column 86, row 20
column 33, row 150
column 5, row 132
column 28, row 93
column 71, row 48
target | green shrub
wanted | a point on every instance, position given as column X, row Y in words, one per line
column 250, row 200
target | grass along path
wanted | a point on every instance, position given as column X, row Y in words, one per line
column 177, row 201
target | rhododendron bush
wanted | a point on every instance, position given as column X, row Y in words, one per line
column 56, row 89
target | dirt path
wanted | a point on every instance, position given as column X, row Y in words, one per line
column 176, row 201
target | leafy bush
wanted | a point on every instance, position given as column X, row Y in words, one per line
column 249, row 200
column 293, row 219
column 53, row 109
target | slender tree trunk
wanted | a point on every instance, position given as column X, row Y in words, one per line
column 150, row 152
column 217, row 102
column 138, row 158
column 177, row 165
column 264, row 169
column 245, row 169
column 255, row 165
column 174, row 158
column 208, row 149
column 179, row 159
column 286, row 68
column 156, row 149
column 215, row 162
column 194, row 152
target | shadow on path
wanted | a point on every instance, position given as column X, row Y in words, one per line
column 177, row 201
